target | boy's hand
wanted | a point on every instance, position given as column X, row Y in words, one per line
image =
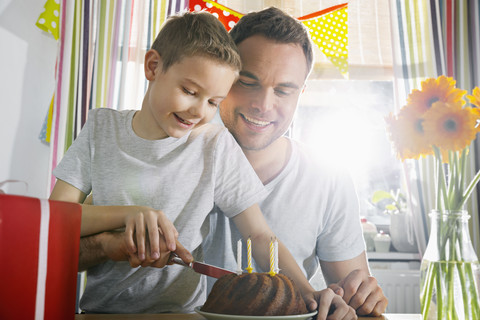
column 362, row 292
column 156, row 223
column 165, row 255
column 330, row 306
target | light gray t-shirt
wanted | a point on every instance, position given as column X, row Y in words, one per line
column 311, row 208
column 182, row 177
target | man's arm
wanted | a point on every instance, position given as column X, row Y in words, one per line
column 352, row 280
column 106, row 246
column 93, row 252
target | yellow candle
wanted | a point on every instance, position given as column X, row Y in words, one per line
column 275, row 248
column 239, row 256
column 272, row 259
column 249, row 255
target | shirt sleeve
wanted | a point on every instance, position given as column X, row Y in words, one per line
column 237, row 186
column 75, row 166
column 341, row 238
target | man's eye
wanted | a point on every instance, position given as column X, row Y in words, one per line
column 281, row 92
column 247, row 84
column 188, row 91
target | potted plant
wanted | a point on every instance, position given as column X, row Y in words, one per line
column 396, row 207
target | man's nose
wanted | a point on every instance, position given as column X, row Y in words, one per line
column 263, row 100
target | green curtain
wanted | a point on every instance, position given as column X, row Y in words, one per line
column 432, row 38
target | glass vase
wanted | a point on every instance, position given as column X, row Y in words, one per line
column 450, row 271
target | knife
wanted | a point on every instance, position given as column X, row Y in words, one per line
column 203, row 268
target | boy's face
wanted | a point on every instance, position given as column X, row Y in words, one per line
column 186, row 95
column 262, row 102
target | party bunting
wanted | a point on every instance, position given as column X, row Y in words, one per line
column 226, row 15
column 328, row 28
column 49, row 19
column 329, row 31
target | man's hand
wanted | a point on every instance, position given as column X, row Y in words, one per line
column 362, row 292
column 105, row 246
column 330, row 306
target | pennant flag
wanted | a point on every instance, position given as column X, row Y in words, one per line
column 49, row 19
column 329, row 31
column 328, row 28
column 226, row 15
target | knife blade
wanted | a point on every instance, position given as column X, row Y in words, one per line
column 203, row 268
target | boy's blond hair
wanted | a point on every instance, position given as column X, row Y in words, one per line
column 195, row 33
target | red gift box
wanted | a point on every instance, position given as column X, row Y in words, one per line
column 39, row 246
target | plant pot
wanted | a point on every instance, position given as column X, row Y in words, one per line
column 398, row 223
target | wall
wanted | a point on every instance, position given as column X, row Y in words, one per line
column 27, row 71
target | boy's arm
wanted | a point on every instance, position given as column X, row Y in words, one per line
column 96, row 219
column 251, row 223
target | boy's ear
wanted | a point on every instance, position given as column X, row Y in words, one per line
column 152, row 64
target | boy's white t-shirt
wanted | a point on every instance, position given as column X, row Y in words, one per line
column 183, row 177
column 312, row 208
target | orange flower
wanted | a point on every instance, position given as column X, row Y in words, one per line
column 475, row 97
column 433, row 90
column 450, row 127
column 407, row 134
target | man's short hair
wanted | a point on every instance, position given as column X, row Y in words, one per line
column 274, row 24
column 195, row 33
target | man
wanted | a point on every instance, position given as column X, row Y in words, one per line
column 311, row 208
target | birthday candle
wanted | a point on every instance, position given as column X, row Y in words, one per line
column 275, row 249
column 249, row 255
column 239, row 256
column 272, row 263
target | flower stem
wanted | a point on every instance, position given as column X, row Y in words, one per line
column 469, row 190
column 438, row 284
column 461, row 274
column 475, row 299
column 441, row 179
column 426, row 296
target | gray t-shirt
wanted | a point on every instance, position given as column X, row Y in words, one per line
column 182, row 177
column 311, row 208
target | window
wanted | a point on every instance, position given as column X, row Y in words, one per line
column 343, row 122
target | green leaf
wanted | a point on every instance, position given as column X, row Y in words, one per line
column 391, row 207
column 380, row 195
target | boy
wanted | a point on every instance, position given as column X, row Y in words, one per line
column 163, row 157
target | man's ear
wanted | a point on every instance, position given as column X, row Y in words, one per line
column 153, row 64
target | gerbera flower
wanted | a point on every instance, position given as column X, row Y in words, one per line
column 407, row 134
column 450, row 127
column 433, row 90
column 475, row 97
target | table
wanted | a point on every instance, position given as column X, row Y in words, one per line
column 195, row 316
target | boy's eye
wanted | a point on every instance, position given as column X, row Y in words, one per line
column 214, row 103
column 189, row 92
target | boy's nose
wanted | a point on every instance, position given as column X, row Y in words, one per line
column 198, row 110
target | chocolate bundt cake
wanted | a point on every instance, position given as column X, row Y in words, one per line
column 255, row 294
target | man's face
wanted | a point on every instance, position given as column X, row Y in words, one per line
column 261, row 104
